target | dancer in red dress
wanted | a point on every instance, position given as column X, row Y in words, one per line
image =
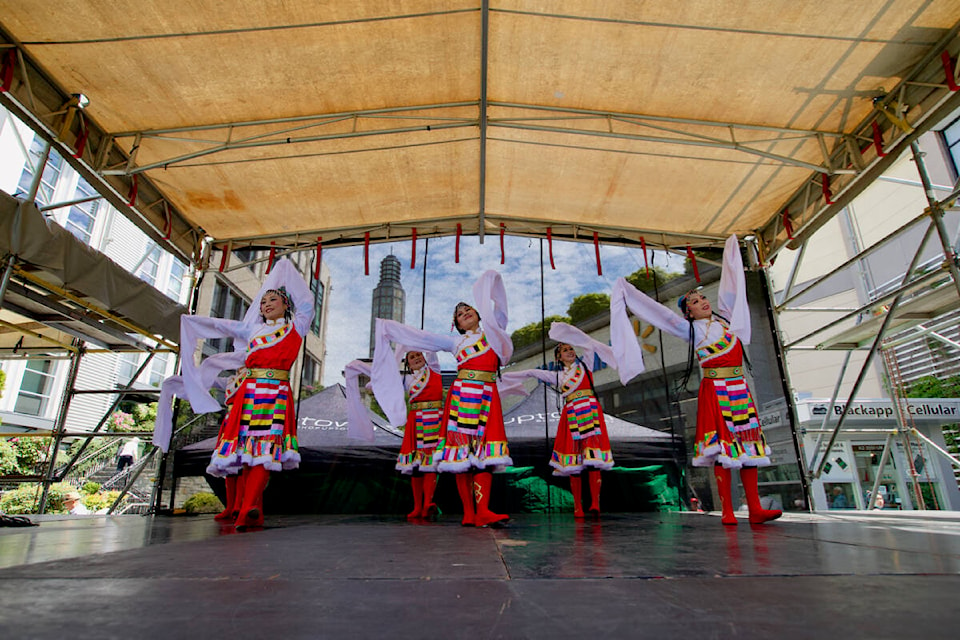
column 421, row 433
column 258, row 434
column 581, row 443
column 728, row 430
column 474, row 443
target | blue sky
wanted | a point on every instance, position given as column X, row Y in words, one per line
column 348, row 303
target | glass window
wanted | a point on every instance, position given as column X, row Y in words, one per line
column 226, row 304
column 81, row 217
column 158, row 369
column 51, row 172
column 150, row 265
column 840, row 495
column 246, row 255
column 317, row 287
column 127, row 365
column 178, row 273
column 35, row 388
column 951, row 136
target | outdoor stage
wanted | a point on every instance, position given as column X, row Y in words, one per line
column 855, row 575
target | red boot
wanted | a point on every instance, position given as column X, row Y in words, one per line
column 416, row 483
column 594, row 492
column 576, row 488
column 430, row 510
column 465, row 489
column 481, row 486
column 251, row 508
column 230, row 512
column 722, row 475
column 758, row 515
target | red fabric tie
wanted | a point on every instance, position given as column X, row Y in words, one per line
column 316, row 268
column 596, row 249
column 366, row 253
column 502, row 256
column 273, row 254
column 550, row 247
column 223, row 258
column 413, row 249
column 825, row 186
column 456, row 251
column 134, row 187
column 643, row 246
column 948, row 69
column 878, row 139
column 693, row 262
column 82, row 138
column 6, row 68
column 167, row 219
column 787, row 224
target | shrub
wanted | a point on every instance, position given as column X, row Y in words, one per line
column 528, row 334
column 26, row 498
column 203, row 502
column 100, row 501
column 90, row 488
column 8, row 459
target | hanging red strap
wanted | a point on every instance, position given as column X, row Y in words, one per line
column 693, row 262
column 316, row 267
column 273, row 254
column 456, row 250
column 82, row 138
column 134, row 187
column 502, row 256
column 6, row 68
column 550, row 247
column 596, row 249
column 366, row 253
column 223, row 258
column 948, row 69
column 413, row 249
column 787, row 224
column 167, row 220
column 643, row 246
column 878, row 139
column 825, row 186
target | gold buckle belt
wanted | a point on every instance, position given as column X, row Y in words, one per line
column 473, row 374
column 272, row 374
column 576, row 395
column 426, row 404
column 723, row 372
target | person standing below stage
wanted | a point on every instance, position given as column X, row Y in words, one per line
column 258, row 434
column 728, row 430
column 128, row 454
column 471, row 429
column 421, row 434
column 582, row 443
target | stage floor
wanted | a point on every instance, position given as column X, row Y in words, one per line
column 853, row 575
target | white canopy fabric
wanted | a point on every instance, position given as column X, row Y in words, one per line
column 682, row 122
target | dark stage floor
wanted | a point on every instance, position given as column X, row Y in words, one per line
column 626, row 576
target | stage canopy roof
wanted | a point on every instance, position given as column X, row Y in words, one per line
column 250, row 121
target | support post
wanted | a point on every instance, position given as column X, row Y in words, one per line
column 60, row 426
column 935, row 209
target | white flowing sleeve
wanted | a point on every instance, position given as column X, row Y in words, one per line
column 197, row 380
column 385, row 374
column 626, row 348
column 732, row 296
column 511, row 382
column 163, row 424
column 284, row 274
column 568, row 334
column 359, row 425
column 490, row 296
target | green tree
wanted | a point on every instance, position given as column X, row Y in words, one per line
column 8, row 459
column 644, row 282
column 587, row 305
column 534, row 331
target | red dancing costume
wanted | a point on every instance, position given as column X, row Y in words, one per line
column 582, row 441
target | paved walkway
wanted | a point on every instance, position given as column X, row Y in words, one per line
column 857, row 575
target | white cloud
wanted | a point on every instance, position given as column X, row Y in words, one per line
column 349, row 301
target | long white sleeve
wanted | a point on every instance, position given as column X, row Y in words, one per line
column 511, row 382
column 359, row 425
column 197, row 380
column 732, row 296
column 385, row 374
column 568, row 334
column 490, row 298
column 284, row 274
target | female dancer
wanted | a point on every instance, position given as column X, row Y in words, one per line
column 471, row 429
column 258, row 434
column 582, row 442
column 728, row 431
